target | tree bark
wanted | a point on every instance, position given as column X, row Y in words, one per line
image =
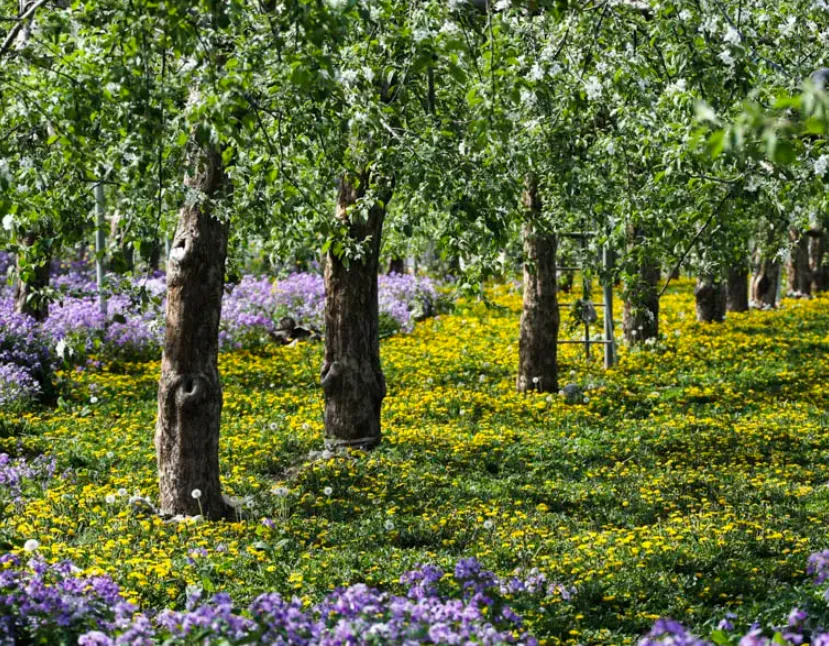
column 538, row 343
column 153, row 255
column 190, row 392
column 764, row 283
column 736, row 289
column 352, row 377
column 799, row 276
column 397, row 265
column 123, row 257
column 710, row 300
column 27, row 299
column 640, row 316
column 819, row 268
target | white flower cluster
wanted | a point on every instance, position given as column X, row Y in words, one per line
column 732, row 36
column 821, row 164
column 593, row 87
column 676, row 87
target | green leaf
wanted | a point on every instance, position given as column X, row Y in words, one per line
column 715, row 144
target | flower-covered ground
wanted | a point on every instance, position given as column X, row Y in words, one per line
column 690, row 482
column 133, row 325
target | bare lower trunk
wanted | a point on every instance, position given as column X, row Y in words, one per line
column 28, row 290
column 351, row 376
column 397, row 265
column 640, row 316
column 736, row 289
column 818, row 266
column 123, row 256
column 799, row 276
column 190, row 393
column 153, row 255
column 538, row 343
column 764, row 284
column 710, row 300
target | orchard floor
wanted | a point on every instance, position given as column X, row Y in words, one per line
column 693, row 481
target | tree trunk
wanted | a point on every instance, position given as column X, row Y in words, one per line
column 710, row 300
column 28, row 298
column 397, row 265
column 736, row 289
column 640, row 316
column 799, row 277
column 123, row 256
column 538, row 343
column 190, row 393
column 153, row 255
column 352, row 377
column 764, row 284
column 818, row 267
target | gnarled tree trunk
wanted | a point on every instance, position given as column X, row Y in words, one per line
column 764, row 283
column 736, row 289
column 640, row 316
column 190, row 393
column 819, row 268
column 352, row 377
column 27, row 296
column 538, row 343
column 799, row 276
column 710, row 300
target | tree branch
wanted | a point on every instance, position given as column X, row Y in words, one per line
column 7, row 44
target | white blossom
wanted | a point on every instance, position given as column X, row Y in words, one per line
column 449, row 28
column 726, row 57
column 8, row 222
column 347, row 77
column 820, row 165
column 421, row 34
column 788, row 28
column 685, row 15
column 676, row 87
column 732, row 36
column 593, row 87
column 536, row 73
column 31, row 545
column 711, row 25
column 528, row 97
column 196, row 493
column 503, row 5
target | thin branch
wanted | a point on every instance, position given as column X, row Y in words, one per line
column 10, row 37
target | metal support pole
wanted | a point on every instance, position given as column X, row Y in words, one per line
column 100, row 246
column 607, row 288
